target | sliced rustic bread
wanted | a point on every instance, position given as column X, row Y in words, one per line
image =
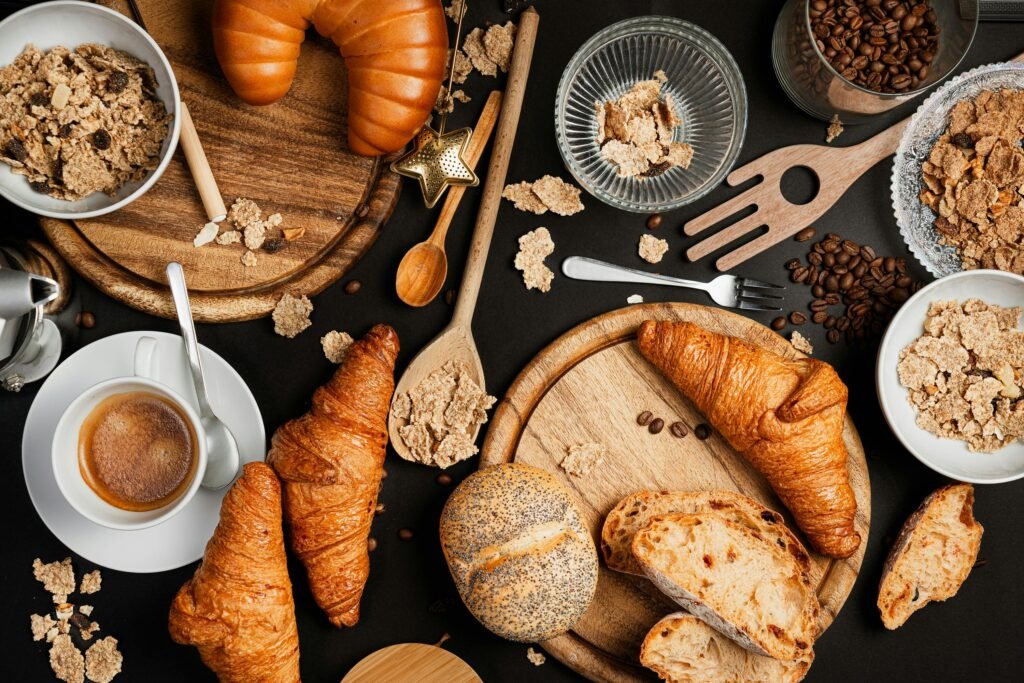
column 683, row 649
column 935, row 551
column 748, row 588
column 635, row 511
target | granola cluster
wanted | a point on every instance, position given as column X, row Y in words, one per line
column 974, row 181
column 291, row 315
column 548, row 193
column 487, row 50
column 964, row 374
column 80, row 121
column 534, row 247
column 440, row 416
column 636, row 131
column 580, row 459
column 652, row 249
column 246, row 225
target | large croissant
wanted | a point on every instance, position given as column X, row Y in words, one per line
column 331, row 461
column 238, row 608
column 784, row 416
column 395, row 53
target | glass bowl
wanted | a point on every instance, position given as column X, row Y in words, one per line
column 704, row 82
column 916, row 221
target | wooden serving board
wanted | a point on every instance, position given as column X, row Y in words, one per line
column 589, row 386
column 411, row 663
column 290, row 157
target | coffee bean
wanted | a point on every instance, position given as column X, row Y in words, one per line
column 904, row 281
column 644, row 418
column 444, row 479
column 379, row 510
column 840, row 270
column 846, row 281
column 678, row 430
column 384, row 474
column 830, row 322
column 817, row 291
column 842, row 258
column 797, row 318
column 842, row 323
column 799, row 275
column 833, row 237
column 792, row 264
column 405, row 534
column 828, row 260
column 889, row 264
column 371, row 544
column 806, row 234
column 702, row 431
column 818, row 305
column 830, row 247
column 832, row 298
column 899, row 295
column 832, row 336
column 86, row 320
column 449, row 297
column 814, row 258
column 832, row 284
column 656, row 426
column 353, row 286
column 819, row 317
column 779, row 323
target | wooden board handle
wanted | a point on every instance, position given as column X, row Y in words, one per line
column 213, row 203
column 518, row 73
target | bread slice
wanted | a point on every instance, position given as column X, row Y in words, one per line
column 683, row 649
column 750, row 589
column 635, row 511
column 932, row 556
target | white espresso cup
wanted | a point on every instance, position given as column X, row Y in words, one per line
column 65, row 451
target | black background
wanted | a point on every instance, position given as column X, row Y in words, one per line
column 410, row 597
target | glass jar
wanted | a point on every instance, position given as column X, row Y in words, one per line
column 821, row 91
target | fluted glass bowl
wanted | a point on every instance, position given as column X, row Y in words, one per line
column 916, row 221
column 704, row 82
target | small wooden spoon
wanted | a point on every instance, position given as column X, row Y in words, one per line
column 423, row 269
column 455, row 343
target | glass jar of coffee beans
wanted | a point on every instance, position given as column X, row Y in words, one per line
column 857, row 58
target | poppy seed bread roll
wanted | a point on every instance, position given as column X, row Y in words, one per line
column 524, row 564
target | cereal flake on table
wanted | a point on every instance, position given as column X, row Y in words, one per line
column 335, row 345
column 41, row 625
column 444, row 105
column 534, row 247
column 91, row 582
column 491, row 49
column 636, row 131
column 103, row 660
column 536, row 658
column 248, row 258
column 548, row 193
column 66, row 660
column 463, row 66
column 229, row 237
column 801, row 343
column 454, row 9
column 581, row 459
column 440, row 416
column 80, row 121
column 835, row 129
column 291, row 315
column 57, row 577
column 964, row 374
column 652, row 249
column 973, row 179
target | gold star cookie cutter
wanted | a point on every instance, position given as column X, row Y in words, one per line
column 437, row 158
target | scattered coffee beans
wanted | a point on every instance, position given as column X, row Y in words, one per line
column 882, row 45
column 702, row 431
column 807, row 233
column 644, row 418
column 379, row 510
column 678, row 430
column 86, row 320
column 405, row 534
column 779, row 323
column 353, row 286
column 371, row 544
column 444, row 479
column 656, row 426
column 797, row 318
column 654, row 221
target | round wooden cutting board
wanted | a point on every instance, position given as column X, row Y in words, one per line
column 290, row 157
column 588, row 387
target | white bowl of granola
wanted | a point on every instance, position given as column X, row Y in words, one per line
column 950, row 376
column 89, row 120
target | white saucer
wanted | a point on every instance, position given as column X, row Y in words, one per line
column 178, row 541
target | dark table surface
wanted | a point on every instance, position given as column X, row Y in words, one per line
column 410, row 596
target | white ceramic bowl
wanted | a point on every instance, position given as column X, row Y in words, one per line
column 946, row 456
column 71, row 23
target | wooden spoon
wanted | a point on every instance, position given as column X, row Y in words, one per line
column 455, row 343
column 423, row 269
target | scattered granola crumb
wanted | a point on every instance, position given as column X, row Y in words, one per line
column 66, row 660
column 41, row 625
column 454, row 9
column 444, row 105
column 249, row 259
column 103, row 660
column 229, row 237
column 522, row 197
column 335, row 345
column 440, row 416
column 91, row 582
column 547, row 193
column 87, row 630
column 86, row 609
column 801, row 343
column 57, row 577
column 636, row 131
column 291, row 315
column 652, row 249
column 835, row 129
column 534, row 247
column 206, row 234
column 964, row 374
column 634, row 299
column 243, row 212
column 536, row 658
column 582, row 458
column 490, row 50
column 254, row 235
column 463, row 66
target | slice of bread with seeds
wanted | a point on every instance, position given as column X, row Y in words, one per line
column 683, row 649
column 732, row 578
column 635, row 511
column 932, row 556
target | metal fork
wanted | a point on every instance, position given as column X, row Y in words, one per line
column 724, row 290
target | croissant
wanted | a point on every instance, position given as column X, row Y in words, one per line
column 331, row 461
column 784, row 416
column 238, row 608
column 395, row 53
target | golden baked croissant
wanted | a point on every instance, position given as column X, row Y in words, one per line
column 395, row 53
column 331, row 461
column 238, row 608
column 784, row 416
